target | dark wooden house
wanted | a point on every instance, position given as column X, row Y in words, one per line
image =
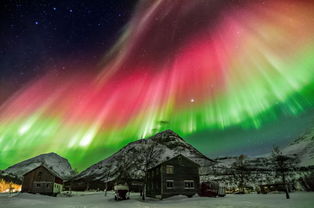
column 42, row 180
column 176, row 176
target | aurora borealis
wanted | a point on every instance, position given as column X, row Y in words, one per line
column 185, row 65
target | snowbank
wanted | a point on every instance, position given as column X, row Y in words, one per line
column 97, row 199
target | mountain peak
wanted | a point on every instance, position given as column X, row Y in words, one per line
column 168, row 143
column 168, row 132
column 166, row 135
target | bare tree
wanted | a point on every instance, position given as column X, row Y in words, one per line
column 126, row 162
column 241, row 172
column 107, row 175
column 283, row 164
column 150, row 153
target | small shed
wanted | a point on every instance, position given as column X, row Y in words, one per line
column 42, row 180
column 176, row 176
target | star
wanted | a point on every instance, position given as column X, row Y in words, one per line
column 36, row 22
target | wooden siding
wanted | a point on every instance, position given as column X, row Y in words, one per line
column 153, row 186
column 41, row 180
column 183, row 169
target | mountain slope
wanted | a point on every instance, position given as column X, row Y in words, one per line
column 303, row 147
column 52, row 160
column 168, row 144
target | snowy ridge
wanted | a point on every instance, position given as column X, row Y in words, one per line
column 303, row 147
column 52, row 161
column 262, row 167
column 167, row 142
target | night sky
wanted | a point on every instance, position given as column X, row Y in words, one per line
column 58, row 34
column 84, row 78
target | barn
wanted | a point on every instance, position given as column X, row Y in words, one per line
column 42, row 180
column 176, row 176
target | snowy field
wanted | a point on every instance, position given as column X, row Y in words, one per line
column 98, row 200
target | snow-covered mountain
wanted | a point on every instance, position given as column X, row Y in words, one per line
column 51, row 160
column 167, row 143
column 303, row 147
column 262, row 167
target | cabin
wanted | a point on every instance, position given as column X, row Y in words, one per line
column 42, row 180
column 176, row 176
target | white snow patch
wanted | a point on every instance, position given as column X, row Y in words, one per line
column 98, row 200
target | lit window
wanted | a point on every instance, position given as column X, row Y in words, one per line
column 169, row 184
column 188, row 184
column 169, row 169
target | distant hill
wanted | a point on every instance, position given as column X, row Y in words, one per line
column 302, row 148
column 51, row 160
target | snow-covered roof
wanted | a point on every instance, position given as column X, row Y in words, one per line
column 49, row 169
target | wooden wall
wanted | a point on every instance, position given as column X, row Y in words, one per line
column 39, row 176
column 184, row 169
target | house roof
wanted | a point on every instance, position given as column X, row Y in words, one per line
column 196, row 164
column 49, row 169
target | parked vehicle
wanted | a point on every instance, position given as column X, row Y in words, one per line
column 212, row 189
column 221, row 190
column 121, row 192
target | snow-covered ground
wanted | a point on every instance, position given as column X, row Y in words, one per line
column 98, row 200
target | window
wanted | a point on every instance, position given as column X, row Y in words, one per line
column 169, row 184
column 47, row 185
column 188, row 184
column 169, row 169
column 38, row 184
